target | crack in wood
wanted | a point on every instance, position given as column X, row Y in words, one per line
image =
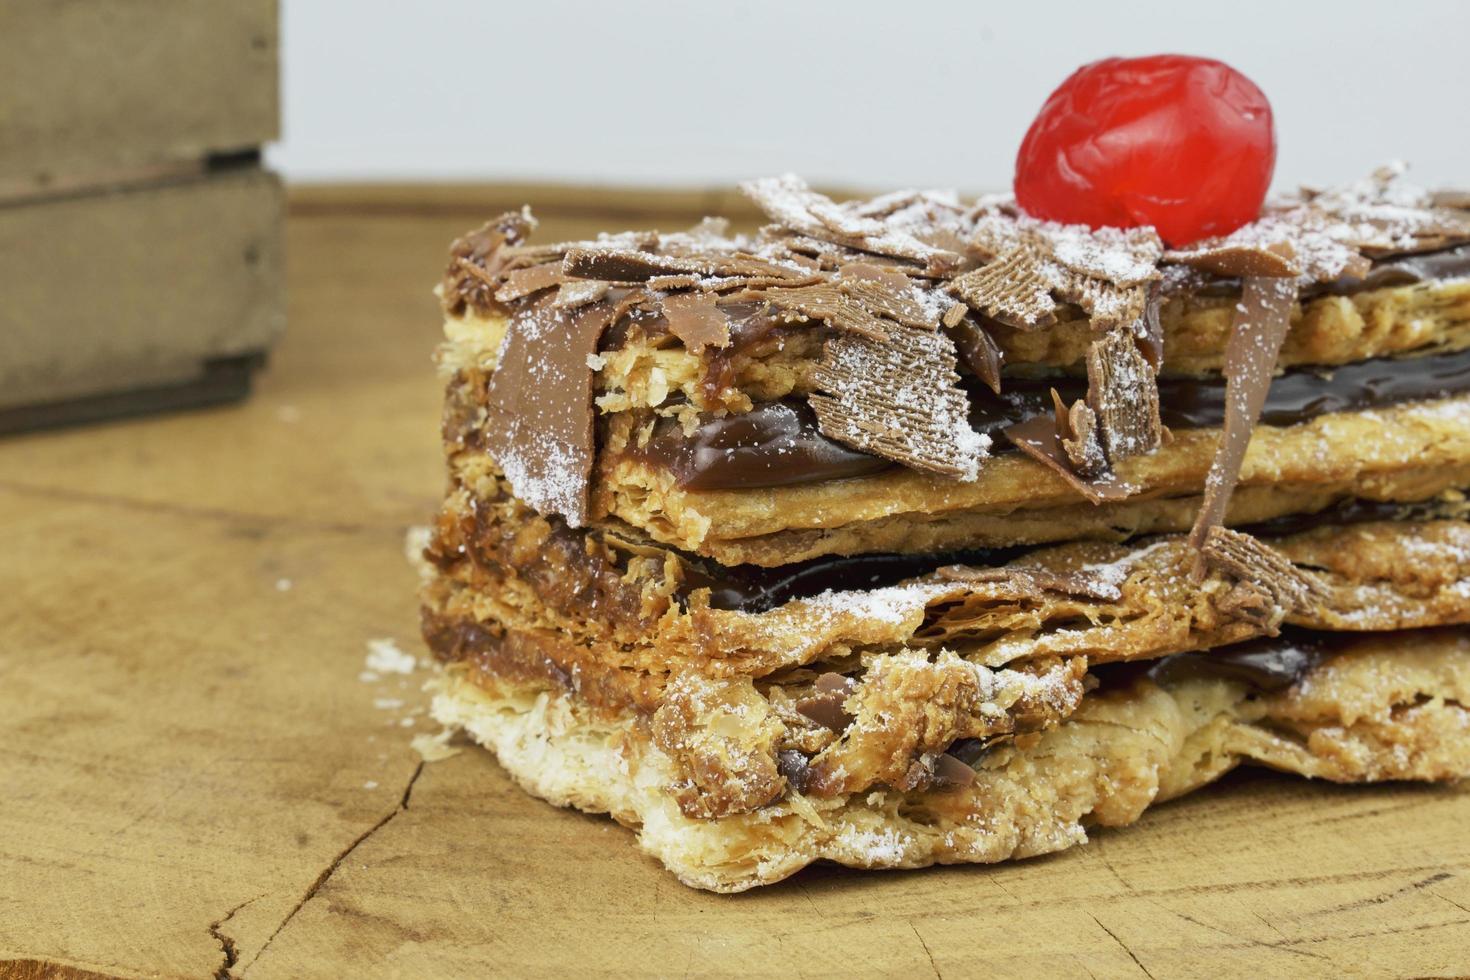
column 227, row 943
column 331, row 869
column 1446, row 898
column 1114, row 936
column 920, row 938
column 1388, row 896
column 1249, row 942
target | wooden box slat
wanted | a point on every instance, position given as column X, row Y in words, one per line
column 99, row 87
column 136, row 289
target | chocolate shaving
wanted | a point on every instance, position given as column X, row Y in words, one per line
column 1451, row 200
column 1037, row 438
column 1013, row 289
column 627, row 265
column 1121, row 257
column 789, row 201
column 898, row 398
column 1239, row 261
column 885, row 293
column 474, row 260
column 1077, row 432
column 827, row 302
column 668, row 284
column 1124, row 394
column 539, row 415
column 977, row 349
column 1326, row 235
column 970, row 750
column 1120, row 418
column 1108, row 306
column 524, row 282
column 950, row 772
column 575, row 295
column 795, row 767
column 1382, row 216
column 825, row 704
column 1149, row 332
column 664, row 271
column 1261, row 323
column 1266, row 587
column 697, row 321
column 888, row 276
column 1107, row 272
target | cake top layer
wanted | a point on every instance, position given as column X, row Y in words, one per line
column 906, row 287
column 933, row 238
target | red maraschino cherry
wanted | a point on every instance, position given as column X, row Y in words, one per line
column 1184, row 144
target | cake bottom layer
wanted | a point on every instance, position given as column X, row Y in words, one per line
column 1378, row 707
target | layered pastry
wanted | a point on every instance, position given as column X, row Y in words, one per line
column 917, row 529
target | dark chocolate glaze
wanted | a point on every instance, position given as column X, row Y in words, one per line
column 756, row 589
column 1402, row 270
column 779, row 444
column 1386, row 273
column 1353, row 510
column 772, row 445
column 1264, row 665
column 1296, row 396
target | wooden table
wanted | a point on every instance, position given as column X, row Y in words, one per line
column 197, row 781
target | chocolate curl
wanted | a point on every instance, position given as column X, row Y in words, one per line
column 539, row 424
column 1261, row 322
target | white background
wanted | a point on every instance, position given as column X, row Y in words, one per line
column 862, row 93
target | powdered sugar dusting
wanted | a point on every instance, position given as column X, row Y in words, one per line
column 1327, row 232
column 790, row 201
column 543, row 472
column 384, row 656
column 893, row 604
column 1112, row 574
column 876, row 847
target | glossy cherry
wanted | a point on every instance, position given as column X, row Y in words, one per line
column 1184, row 144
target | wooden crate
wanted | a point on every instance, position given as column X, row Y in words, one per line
column 139, row 235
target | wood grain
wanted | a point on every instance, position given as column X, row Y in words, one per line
column 196, row 781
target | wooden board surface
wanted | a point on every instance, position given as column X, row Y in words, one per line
column 197, row 781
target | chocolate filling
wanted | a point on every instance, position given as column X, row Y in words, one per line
column 754, row 588
column 772, row 445
column 1406, row 270
column 1386, row 273
column 757, row 589
column 1264, row 665
column 779, row 444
